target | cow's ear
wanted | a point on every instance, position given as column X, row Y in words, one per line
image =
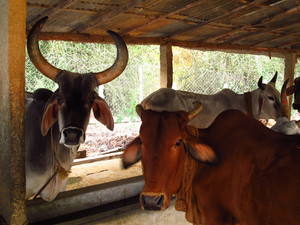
column 200, row 151
column 50, row 115
column 102, row 113
column 132, row 153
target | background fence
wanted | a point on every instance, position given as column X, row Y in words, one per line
column 196, row 71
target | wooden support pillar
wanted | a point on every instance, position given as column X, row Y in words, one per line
column 166, row 66
column 289, row 71
column 12, row 83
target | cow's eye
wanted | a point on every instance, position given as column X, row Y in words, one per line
column 271, row 98
column 178, row 142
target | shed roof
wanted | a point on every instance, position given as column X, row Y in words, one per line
column 258, row 26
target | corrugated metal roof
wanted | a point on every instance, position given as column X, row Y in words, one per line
column 258, row 25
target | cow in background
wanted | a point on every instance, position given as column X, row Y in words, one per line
column 283, row 124
column 237, row 171
column 262, row 103
column 55, row 123
column 295, row 90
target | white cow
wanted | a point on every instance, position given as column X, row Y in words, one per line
column 262, row 103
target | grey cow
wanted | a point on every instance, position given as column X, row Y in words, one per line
column 262, row 103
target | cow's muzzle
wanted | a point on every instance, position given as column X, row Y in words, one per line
column 72, row 136
column 152, row 203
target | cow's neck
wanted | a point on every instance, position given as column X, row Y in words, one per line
column 249, row 103
column 256, row 104
column 184, row 194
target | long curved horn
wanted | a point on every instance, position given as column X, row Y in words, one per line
column 285, row 111
column 35, row 54
column 139, row 109
column 194, row 112
column 119, row 65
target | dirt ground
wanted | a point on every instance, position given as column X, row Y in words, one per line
column 100, row 140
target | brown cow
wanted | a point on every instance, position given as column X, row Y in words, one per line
column 248, row 175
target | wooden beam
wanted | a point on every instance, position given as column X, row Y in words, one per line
column 166, row 66
column 275, row 52
column 289, row 72
column 12, row 101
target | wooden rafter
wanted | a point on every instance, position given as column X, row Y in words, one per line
column 99, row 18
column 232, row 14
column 266, row 29
column 295, row 35
column 162, row 16
column 285, row 45
column 267, row 19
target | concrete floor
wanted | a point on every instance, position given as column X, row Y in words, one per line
column 133, row 215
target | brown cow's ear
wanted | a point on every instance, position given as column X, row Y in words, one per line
column 201, row 152
column 132, row 153
column 50, row 116
column 102, row 113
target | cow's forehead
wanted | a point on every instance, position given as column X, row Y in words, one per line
column 270, row 89
column 161, row 124
column 76, row 84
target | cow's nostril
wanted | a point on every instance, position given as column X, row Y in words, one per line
column 160, row 201
column 65, row 133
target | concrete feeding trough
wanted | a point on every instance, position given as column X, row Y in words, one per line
column 85, row 198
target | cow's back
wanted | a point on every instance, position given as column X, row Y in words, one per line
column 167, row 99
column 257, row 179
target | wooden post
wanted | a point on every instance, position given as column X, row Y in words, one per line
column 289, row 71
column 12, row 84
column 166, row 66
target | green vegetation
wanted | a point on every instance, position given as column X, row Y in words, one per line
column 197, row 71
